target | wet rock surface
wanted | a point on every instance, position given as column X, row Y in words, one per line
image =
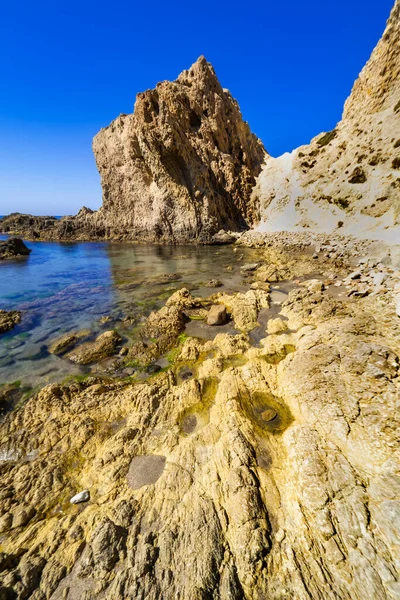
column 240, row 470
column 13, row 247
column 104, row 345
column 8, row 319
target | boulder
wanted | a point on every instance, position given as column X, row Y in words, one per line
column 213, row 283
column 8, row 319
column 66, row 342
column 276, row 326
column 104, row 345
column 222, row 237
column 249, row 267
column 13, row 247
column 216, row 315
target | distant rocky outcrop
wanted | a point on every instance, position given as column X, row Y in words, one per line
column 12, row 248
column 79, row 227
column 348, row 178
column 182, row 166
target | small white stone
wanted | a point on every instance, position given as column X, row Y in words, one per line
column 81, row 497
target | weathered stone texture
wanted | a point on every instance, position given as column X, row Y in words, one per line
column 347, row 179
column 182, row 166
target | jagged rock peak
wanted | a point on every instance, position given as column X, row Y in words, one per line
column 182, row 166
column 200, row 70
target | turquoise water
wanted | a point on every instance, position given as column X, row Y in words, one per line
column 64, row 287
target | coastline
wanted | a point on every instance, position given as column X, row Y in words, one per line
column 229, row 407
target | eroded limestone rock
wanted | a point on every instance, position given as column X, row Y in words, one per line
column 8, row 319
column 182, row 166
column 346, row 180
column 103, row 346
column 13, row 247
column 242, row 471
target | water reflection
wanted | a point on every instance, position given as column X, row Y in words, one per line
column 63, row 287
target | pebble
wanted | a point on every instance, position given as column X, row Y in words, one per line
column 216, row 315
column 378, row 278
column 213, row 283
column 249, row 267
column 83, row 496
column 268, row 414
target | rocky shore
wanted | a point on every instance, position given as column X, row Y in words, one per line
column 12, row 248
column 260, row 463
column 236, row 444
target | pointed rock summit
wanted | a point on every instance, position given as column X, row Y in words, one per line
column 182, row 166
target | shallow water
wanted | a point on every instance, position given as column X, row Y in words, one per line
column 63, row 287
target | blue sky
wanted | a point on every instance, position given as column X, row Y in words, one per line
column 68, row 68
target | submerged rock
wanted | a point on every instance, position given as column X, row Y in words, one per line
column 66, row 342
column 213, row 283
column 249, row 267
column 8, row 319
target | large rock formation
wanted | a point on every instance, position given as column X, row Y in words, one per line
column 182, row 166
column 348, row 178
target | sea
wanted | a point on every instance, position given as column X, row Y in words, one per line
column 68, row 287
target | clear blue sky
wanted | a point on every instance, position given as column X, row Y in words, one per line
column 68, row 68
